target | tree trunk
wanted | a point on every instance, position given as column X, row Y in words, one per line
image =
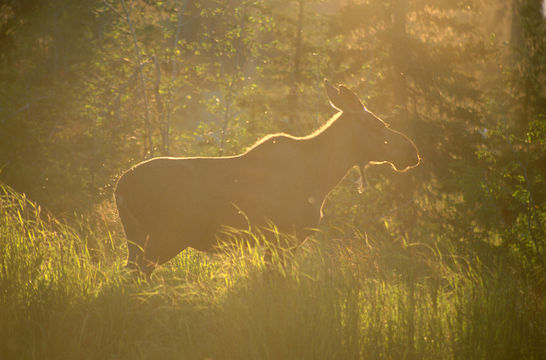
column 400, row 57
column 296, row 75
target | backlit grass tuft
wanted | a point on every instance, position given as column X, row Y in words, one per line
column 64, row 294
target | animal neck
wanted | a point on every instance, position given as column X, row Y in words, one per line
column 333, row 155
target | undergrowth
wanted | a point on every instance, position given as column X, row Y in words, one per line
column 64, row 294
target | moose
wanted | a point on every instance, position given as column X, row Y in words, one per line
column 167, row 204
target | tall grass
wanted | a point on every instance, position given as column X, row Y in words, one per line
column 65, row 295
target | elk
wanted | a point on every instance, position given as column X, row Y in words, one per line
column 167, row 204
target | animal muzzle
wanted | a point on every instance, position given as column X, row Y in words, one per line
column 407, row 162
column 404, row 153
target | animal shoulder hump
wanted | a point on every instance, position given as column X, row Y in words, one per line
column 274, row 141
column 271, row 146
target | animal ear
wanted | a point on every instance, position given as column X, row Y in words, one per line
column 342, row 98
column 333, row 95
column 350, row 100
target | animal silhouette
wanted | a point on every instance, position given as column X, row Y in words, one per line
column 167, row 204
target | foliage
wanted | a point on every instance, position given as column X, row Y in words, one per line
column 89, row 88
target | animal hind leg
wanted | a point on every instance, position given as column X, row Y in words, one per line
column 135, row 250
column 161, row 247
column 135, row 234
column 137, row 258
column 146, row 249
column 147, row 252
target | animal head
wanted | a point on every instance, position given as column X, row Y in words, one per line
column 376, row 141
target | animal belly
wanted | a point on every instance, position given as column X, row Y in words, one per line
column 205, row 231
column 291, row 217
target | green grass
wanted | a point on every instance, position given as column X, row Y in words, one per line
column 64, row 294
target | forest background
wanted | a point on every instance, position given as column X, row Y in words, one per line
column 89, row 88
